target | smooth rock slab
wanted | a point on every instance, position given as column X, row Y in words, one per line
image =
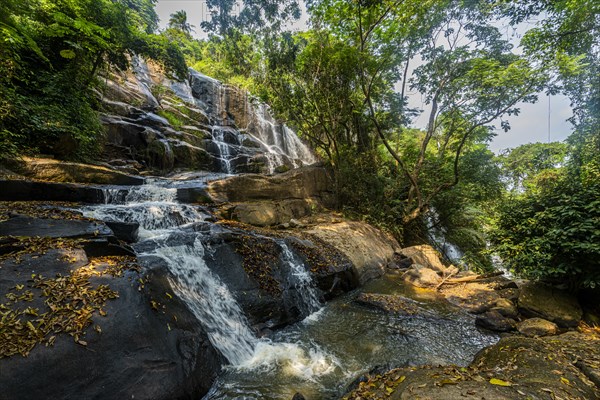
column 560, row 307
column 19, row 190
column 53, row 228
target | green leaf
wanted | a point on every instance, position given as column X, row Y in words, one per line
column 68, row 54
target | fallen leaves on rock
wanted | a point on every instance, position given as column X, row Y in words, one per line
column 70, row 302
column 38, row 209
column 14, row 247
column 259, row 255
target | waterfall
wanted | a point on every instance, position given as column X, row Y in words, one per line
column 161, row 218
column 210, row 301
column 279, row 140
column 301, row 281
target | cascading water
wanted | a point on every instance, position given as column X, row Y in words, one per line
column 163, row 223
column 301, row 281
column 210, row 301
column 226, row 152
column 232, row 109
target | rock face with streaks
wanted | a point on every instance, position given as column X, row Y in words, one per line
column 199, row 123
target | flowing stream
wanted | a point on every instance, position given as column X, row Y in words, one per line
column 319, row 356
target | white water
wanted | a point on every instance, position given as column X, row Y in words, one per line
column 225, row 150
column 210, row 301
column 155, row 208
column 279, row 143
column 302, row 282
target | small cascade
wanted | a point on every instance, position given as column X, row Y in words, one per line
column 277, row 138
column 210, row 301
column 144, row 81
column 154, row 207
column 302, row 282
column 226, row 153
column 438, row 236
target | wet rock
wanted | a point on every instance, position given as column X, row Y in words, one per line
column 421, row 276
column 193, row 195
column 20, row 190
column 138, row 352
column 537, row 327
column 53, row 228
column 495, row 321
column 60, row 171
column 505, row 307
column 126, row 231
column 426, row 256
column 189, row 156
column 390, row 303
column 560, row 307
column 107, row 246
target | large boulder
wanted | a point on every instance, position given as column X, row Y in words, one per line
column 102, row 328
column 543, row 301
column 368, row 248
column 60, row 171
column 269, row 213
column 537, row 327
column 301, row 183
column 424, row 255
column 421, row 276
column 494, row 321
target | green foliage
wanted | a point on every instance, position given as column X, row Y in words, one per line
column 52, row 52
column 553, row 235
column 523, row 164
column 172, row 118
column 234, row 59
column 178, row 21
column 249, row 16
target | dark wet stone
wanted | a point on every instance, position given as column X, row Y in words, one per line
column 29, row 226
column 126, row 231
column 495, row 321
column 17, row 190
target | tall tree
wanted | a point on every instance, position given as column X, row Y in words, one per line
column 469, row 78
column 249, row 16
column 178, row 20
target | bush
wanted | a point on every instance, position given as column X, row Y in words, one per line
column 553, row 236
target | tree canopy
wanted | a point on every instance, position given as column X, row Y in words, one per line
column 344, row 85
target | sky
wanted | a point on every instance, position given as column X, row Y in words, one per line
column 530, row 126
